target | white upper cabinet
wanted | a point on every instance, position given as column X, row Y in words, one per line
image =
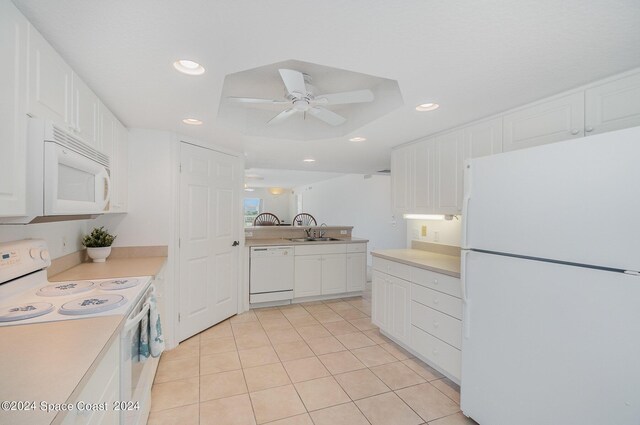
column 13, row 50
column 613, row 106
column 85, row 108
column 449, row 175
column 107, row 136
column 401, row 186
column 49, row 89
column 483, row 139
column 552, row 121
column 119, row 170
column 423, row 177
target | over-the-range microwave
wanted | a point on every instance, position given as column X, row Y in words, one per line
column 66, row 177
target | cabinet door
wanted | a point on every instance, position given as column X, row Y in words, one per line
column 547, row 122
column 483, row 139
column 334, row 273
column 401, row 186
column 399, row 309
column 379, row 300
column 423, row 176
column 107, row 136
column 308, row 276
column 356, row 271
column 85, row 112
column 449, row 175
column 13, row 144
column 119, row 170
column 613, row 106
column 49, row 82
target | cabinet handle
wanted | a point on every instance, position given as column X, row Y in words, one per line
column 588, row 129
column 435, row 281
column 575, row 131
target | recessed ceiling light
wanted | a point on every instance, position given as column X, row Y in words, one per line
column 424, row 107
column 249, row 189
column 188, row 67
column 358, row 139
column 192, row 121
column 309, row 160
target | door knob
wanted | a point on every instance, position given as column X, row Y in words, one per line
column 235, row 243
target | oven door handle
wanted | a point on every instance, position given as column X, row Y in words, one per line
column 132, row 323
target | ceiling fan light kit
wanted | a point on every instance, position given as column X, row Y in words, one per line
column 300, row 98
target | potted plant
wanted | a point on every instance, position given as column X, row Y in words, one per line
column 98, row 244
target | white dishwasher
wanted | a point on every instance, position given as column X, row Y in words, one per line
column 272, row 274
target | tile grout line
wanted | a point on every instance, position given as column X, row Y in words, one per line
column 253, row 410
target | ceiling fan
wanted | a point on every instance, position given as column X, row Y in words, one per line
column 300, row 98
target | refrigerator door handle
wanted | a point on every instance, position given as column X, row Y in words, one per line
column 466, row 307
column 465, row 219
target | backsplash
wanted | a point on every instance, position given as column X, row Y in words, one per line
column 445, row 232
column 62, row 237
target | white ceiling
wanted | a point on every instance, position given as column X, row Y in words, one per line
column 475, row 58
column 261, row 177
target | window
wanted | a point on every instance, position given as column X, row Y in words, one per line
column 252, row 207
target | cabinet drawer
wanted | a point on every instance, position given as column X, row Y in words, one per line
column 437, row 300
column 321, row 249
column 357, row 247
column 392, row 268
column 438, row 324
column 437, row 352
column 440, row 282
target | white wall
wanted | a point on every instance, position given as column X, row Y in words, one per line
column 62, row 237
column 352, row 200
column 276, row 204
column 149, row 218
column 438, row 231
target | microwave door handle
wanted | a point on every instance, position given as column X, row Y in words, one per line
column 107, row 195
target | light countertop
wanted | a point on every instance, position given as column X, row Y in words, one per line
column 287, row 242
column 47, row 362
column 439, row 263
column 112, row 268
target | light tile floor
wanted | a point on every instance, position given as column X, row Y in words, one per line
column 316, row 363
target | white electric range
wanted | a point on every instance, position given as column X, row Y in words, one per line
column 26, row 296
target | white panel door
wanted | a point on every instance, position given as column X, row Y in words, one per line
column 423, row 176
column 85, row 122
column 483, row 139
column 13, row 145
column 613, row 106
column 401, row 186
column 49, row 82
column 308, row 276
column 544, row 334
column 548, row 122
column 334, row 273
column 399, row 309
column 449, row 175
column 209, row 221
column 379, row 300
column 356, row 271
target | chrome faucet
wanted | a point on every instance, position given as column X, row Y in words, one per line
column 322, row 232
column 308, row 232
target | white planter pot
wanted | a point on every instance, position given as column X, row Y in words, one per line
column 99, row 255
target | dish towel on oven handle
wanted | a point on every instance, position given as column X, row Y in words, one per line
column 151, row 337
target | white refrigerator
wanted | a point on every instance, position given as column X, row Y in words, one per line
column 551, row 290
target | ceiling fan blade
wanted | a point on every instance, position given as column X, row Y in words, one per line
column 327, row 116
column 356, row 96
column 281, row 116
column 234, row 99
column 293, row 81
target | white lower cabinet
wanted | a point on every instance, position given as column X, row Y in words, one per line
column 102, row 387
column 327, row 269
column 420, row 309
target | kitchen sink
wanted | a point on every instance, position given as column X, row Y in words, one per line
column 313, row 239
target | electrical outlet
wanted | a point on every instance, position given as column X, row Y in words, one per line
column 436, row 236
column 423, row 231
column 343, row 232
column 248, row 234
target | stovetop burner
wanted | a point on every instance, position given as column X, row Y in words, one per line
column 24, row 311
column 116, row 284
column 96, row 303
column 65, row 288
